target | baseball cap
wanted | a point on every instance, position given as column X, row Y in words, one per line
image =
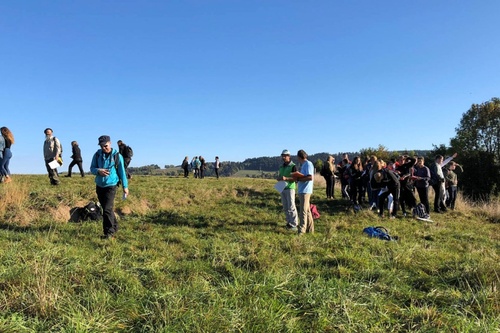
column 104, row 139
column 285, row 152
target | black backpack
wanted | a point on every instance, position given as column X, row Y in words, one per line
column 92, row 211
column 128, row 152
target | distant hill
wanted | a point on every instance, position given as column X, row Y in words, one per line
column 265, row 165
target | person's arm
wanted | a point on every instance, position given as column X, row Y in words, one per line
column 122, row 174
column 93, row 165
column 449, row 159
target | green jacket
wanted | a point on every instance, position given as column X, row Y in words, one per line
column 286, row 171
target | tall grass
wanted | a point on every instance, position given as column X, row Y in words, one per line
column 213, row 256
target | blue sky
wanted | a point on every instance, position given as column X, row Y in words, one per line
column 242, row 79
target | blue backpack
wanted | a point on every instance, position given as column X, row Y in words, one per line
column 380, row 233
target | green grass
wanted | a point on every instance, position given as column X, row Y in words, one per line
column 213, row 256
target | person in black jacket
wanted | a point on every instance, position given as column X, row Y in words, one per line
column 405, row 172
column 77, row 159
column 123, row 149
column 388, row 181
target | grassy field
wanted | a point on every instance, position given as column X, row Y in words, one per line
column 214, row 256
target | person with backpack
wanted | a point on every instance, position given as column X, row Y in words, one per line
column 288, row 193
column 185, row 167
column 203, row 167
column 52, row 151
column 127, row 153
column 328, row 172
column 76, row 159
column 109, row 168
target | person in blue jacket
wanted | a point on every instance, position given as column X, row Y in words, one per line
column 108, row 167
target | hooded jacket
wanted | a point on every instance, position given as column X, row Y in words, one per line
column 116, row 172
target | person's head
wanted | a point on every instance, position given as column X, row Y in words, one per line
column 105, row 143
column 119, row 143
column 216, row 157
column 302, row 155
column 373, row 158
column 345, row 156
column 48, row 132
column 331, row 159
column 452, row 166
column 186, row 158
column 6, row 133
column 420, row 161
column 74, row 143
column 439, row 159
column 285, row 156
column 378, row 165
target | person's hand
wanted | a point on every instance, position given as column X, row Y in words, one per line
column 103, row 172
column 125, row 191
column 455, row 155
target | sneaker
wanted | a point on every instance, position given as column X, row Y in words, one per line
column 392, row 217
column 290, row 227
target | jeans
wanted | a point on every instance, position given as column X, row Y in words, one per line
column 288, row 201
column 330, row 186
column 452, row 196
column 4, row 162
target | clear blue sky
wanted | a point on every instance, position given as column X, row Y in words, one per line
column 242, row 79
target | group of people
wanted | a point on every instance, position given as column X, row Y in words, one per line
column 302, row 181
column 108, row 165
column 52, row 153
column 396, row 181
column 198, row 165
column 390, row 184
column 6, row 141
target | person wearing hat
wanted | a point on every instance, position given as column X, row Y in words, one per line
column 288, row 194
column 108, row 167
column 52, row 152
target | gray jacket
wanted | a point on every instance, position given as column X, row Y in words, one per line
column 51, row 148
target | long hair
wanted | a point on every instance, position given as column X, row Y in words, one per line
column 7, row 134
column 357, row 164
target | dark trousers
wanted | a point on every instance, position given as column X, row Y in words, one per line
column 106, row 196
column 395, row 202
column 452, row 196
column 202, row 172
column 126, row 161
column 330, row 186
column 217, row 172
column 438, row 198
column 186, row 172
column 356, row 192
column 407, row 197
column 80, row 167
column 423, row 195
column 53, row 175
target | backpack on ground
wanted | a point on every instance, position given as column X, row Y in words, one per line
column 420, row 213
column 92, row 211
column 380, row 233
